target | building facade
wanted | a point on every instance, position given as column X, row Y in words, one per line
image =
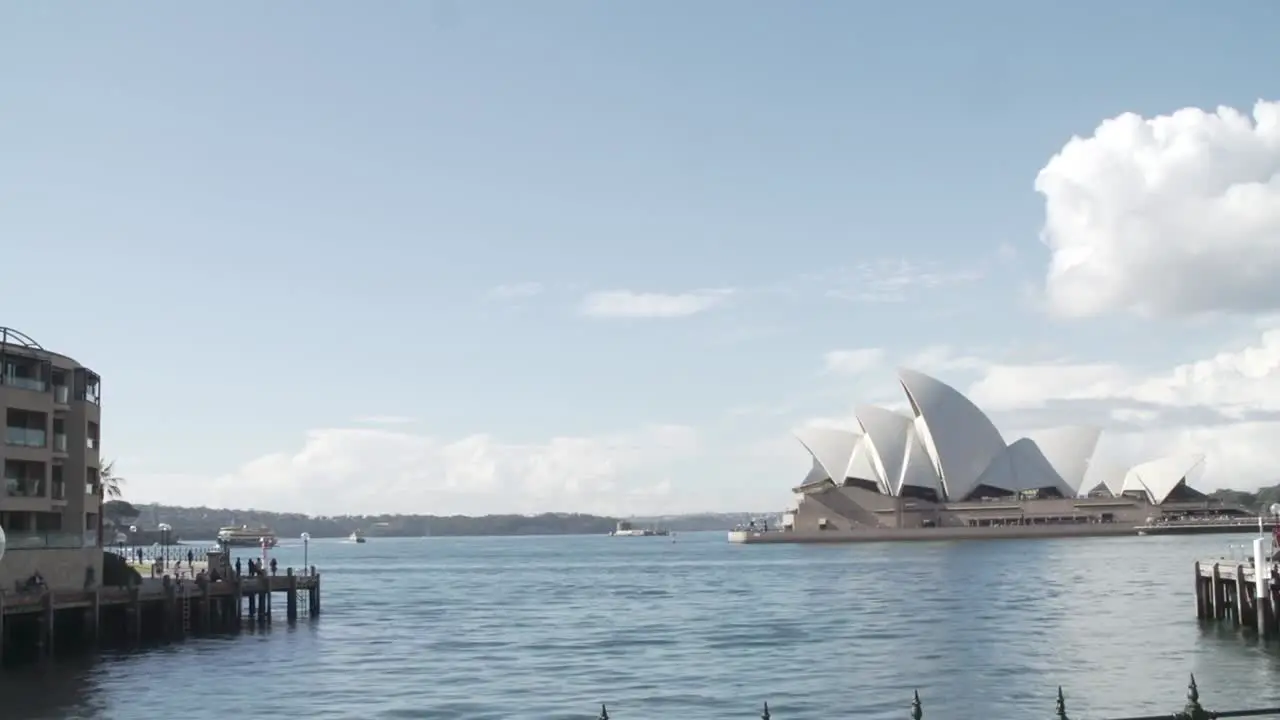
column 49, row 509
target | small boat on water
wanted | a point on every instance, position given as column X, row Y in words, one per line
column 357, row 536
column 627, row 529
column 245, row 536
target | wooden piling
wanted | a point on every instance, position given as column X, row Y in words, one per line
column 1200, row 599
column 291, row 599
column 1242, row 592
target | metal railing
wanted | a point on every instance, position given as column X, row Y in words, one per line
column 1193, row 710
column 21, row 540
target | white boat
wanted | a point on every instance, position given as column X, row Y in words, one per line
column 626, row 529
column 357, row 536
column 244, row 536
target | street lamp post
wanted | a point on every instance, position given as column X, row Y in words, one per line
column 306, row 545
column 133, row 539
column 165, row 528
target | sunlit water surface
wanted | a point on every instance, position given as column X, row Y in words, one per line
column 512, row 628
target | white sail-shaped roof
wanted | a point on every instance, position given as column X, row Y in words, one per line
column 885, row 435
column 862, row 464
column 960, row 438
column 816, row 474
column 1022, row 467
column 1069, row 450
column 1159, row 478
column 917, row 469
column 831, row 448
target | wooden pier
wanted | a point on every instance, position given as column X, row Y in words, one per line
column 161, row 608
column 1228, row 590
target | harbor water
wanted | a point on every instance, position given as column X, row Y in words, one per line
column 515, row 628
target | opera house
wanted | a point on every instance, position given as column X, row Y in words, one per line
column 944, row 470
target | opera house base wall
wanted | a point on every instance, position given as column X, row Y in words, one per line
column 1012, row 532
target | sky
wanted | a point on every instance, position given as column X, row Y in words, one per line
column 506, row 256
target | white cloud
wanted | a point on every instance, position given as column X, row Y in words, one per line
column 939, row 358
column 1173, row 215
column 514, row 291
column 349, row 470
column 853, row 362
column 628, row 304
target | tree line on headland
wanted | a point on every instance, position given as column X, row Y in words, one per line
column 202, row 523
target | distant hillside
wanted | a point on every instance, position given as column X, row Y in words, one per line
column 202, row 523
column 1259, row 500
column 701, row 521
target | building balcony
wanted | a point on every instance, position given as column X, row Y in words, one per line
column 59, row 443
column 25, row 383
column 25, row 437
column 61, row 395
column 24, row 487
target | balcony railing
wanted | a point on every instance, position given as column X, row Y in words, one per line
column 24, row 487
column 60, row 443
column 62, row 394
column 20, row 540
column 26, row 383
column 91, row 443
column 26, row 437
column 59, row 490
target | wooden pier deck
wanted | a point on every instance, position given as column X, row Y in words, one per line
column 166, row 608
column 1228, row 590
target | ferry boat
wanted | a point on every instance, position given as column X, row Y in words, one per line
column 626, row 529
column 357, row 536
column 245, row 536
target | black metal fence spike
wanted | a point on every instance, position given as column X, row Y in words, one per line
column 604, row 712
column 1193, row 692
column 1062, row 705
column 765, row 715
column 916, row 711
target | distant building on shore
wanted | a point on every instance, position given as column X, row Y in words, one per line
column 52, row 496
column 944, row 464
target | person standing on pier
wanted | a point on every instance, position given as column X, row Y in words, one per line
column 237, row 567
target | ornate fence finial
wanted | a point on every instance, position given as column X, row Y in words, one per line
column 765, row 715
column 1062, row 705
column 916, row 711
column 604, row 712
column 1193, row 711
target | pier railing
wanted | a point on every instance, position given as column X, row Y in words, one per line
column 1192, row 710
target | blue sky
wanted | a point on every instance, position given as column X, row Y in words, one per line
column 263, row 222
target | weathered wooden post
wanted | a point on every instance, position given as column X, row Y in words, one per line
column 1200, row 598
column 1217, row 592
column 291, row 599
column 170, row 604
column 1241, row 596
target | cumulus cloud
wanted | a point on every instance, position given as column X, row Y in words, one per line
column 628, row 304
column 378, row 470
column 1172, row 215
column 852, row 362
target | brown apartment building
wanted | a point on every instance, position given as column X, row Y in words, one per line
column 52, row 494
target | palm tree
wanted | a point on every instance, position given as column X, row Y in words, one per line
column 111, row 482
column 108, row 487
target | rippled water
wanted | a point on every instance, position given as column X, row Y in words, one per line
column 512, row 628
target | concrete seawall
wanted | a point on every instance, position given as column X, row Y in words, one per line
column 1011, row 532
